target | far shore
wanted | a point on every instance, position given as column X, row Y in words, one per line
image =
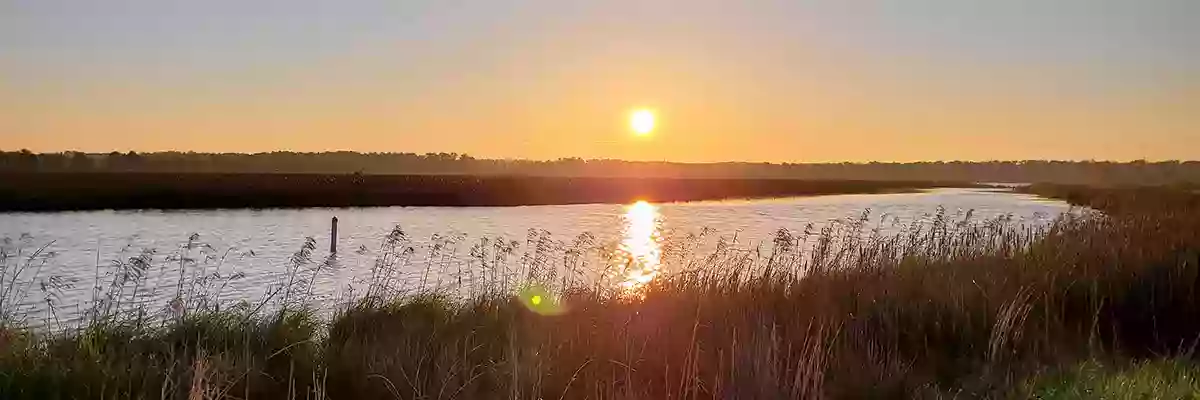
column 122, row 191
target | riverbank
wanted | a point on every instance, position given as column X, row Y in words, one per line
column 90, row 191
column 984, row 309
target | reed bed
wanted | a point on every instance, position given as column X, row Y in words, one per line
column 947, row 308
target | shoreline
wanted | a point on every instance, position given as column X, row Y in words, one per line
column 55, row 192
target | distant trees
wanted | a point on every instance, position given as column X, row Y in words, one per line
column 79, row 162
column 1080, row 172
column 128, row 162
column 22, row 161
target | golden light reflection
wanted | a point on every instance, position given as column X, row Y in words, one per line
column 640, row 253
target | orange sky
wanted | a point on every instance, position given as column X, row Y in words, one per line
column 541, row 80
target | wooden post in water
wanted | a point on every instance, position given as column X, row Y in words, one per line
column 333, row 237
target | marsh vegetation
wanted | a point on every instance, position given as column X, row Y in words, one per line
column 949, row 308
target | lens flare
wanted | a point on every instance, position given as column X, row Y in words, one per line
column 640, row 253
column 540, row 300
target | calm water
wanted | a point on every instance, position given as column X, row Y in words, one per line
column 250, row 249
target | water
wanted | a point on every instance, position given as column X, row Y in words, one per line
column 250, row 249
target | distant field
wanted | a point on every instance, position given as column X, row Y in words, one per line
column 83, row 191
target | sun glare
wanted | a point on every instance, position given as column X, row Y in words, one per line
column 640, row 253
column 642, row 122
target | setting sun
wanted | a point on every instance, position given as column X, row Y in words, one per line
column 642, row 122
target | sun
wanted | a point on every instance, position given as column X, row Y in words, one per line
column 642, row 122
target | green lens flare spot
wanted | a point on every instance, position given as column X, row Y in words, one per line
column 540, row 301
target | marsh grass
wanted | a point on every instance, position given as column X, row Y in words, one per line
column 947, row 308
column 1162, row 379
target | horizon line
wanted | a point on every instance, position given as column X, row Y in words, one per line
column 573, row 158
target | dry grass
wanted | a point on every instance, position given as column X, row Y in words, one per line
column 948, row 309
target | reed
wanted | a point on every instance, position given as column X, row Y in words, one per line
column 947, row 308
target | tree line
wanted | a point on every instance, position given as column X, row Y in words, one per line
column 344, row 162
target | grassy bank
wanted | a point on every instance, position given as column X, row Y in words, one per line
column 963, row 309
column 83, row 191
column 1157, row 379
column 1123, row 199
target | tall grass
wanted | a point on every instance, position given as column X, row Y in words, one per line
column 951, row 308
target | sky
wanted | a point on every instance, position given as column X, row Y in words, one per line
column 753, row 80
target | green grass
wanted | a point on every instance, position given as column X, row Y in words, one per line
column 953, row 309
column 1156, row 379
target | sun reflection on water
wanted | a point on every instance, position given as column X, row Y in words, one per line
column 640, row 252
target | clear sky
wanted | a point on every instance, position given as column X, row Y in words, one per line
column 756, row 80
